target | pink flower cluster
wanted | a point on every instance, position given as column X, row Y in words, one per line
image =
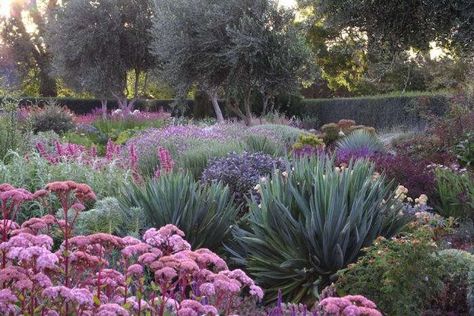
column 140, row 116
column 102, row 274
column 351, row 305
column 67, row 152
column 166, row 162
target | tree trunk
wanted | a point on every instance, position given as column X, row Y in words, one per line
column 266, row 98
column 248, row 109
column 235, row 108
column 47, row 84
column 145, row 85
column 104, row 108
column 137, row 81
column 217, row 109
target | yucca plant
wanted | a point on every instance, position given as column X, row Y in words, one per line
column 361, row 140
column 312, row 222
column 204, row 213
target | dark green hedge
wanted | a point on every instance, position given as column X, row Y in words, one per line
column 380, row 112
column 83, row 106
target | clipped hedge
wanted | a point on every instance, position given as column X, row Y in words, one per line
column 379, row 111
column 383, row 111
column 84, row 106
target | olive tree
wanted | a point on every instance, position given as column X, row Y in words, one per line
column 237, row 46
column 189, row 37
column 267, row 55
column 96, row 45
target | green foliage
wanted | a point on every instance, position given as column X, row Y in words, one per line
column 284, row 134
column 34, row 172
column 402, row 275
column 456, row 265
column 11, row 136
column 264, row 144
column 204, row 213
column 360, row 139
column 456, row 193
column 310, row 122
column 470, row 294
column 312, row 222
column 51, row 118
column 256, row 48
column 107, row 217
column 330, row 132
column 465, row 151
column 124, row 129
column 105, row 54
column 308, row 139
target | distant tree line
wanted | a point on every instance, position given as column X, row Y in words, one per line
column 235, row 50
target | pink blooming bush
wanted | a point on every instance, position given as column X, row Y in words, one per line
column 156, row 275
column 351, row 305
column 67, row 152
column 139, row 116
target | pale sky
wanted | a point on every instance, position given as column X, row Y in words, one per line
column 285, row 3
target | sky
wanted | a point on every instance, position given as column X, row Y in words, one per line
column 4, row 5
column 285, row 3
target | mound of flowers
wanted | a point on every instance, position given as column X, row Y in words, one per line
column 103, row 274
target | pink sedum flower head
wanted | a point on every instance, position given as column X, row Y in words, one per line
column 351, row 305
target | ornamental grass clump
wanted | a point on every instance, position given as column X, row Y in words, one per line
column 204, row 213
column 359, row 144
column 312, row 221
column 102, row 274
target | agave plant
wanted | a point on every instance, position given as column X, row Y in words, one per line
column 311, row 222
column 204, row 213
column 361, row 140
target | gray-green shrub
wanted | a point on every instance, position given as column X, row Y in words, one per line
column 107, row 217
column 312, row 222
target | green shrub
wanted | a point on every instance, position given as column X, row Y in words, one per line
column 331, row 133
column 113, row 128
column 361, row 140
column 465, row 151
column 453, row 299
column 456, row 193
column 107, row 217
column 283, row 134
column 34, row 173
column 312, row 222
column 264, row 144
column 204, row 213
column 402, row 275
column 470, row 293
column 308, row 139
column 310, row 122
column 51, row 118
column 12, row 137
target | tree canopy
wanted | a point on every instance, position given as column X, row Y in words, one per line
column 97, row 44
column 236, row 46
